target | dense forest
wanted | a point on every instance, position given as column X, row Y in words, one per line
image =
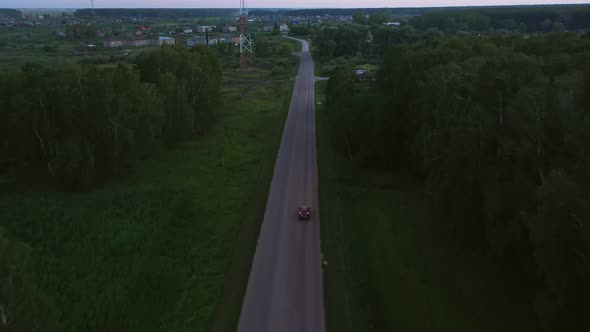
column 343, row 41
column 77, row 126
column 496, row 128
column 346, row 11
column 157, row 12
column 524, row 19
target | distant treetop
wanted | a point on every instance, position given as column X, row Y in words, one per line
column 158, row 12
column 10, row 13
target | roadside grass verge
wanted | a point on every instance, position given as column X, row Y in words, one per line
column 152, row 252
column 336, row 275
column 399, row 270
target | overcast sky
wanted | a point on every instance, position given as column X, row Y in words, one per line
column 264, row 3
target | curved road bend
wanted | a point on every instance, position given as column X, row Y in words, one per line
column 285, row 291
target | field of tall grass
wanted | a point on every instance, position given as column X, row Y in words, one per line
column 152, row 252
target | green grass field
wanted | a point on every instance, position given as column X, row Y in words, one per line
column 390, row 269
column 155, row 251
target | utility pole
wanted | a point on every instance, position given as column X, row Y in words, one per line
column 245, row 40
column 92, row 5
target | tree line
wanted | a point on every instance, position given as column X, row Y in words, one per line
column 543, row 18
column 81, row 31
column 497, row 128
column 347, row 11
column 77, row 126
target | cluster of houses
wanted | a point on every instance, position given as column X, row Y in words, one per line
column 140, row 40
column 192, row 41
column 203, row 29
column 311, row 19
column 202, row 40
column 115, row 42
column 209, row 28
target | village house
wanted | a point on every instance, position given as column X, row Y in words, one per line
column 167, row 40
column 230, row 28
column 230, row 39
column 193, row 41
column 205, row 28
column 143, row 42
column 114, row 43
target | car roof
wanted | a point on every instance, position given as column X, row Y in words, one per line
column 304, row 207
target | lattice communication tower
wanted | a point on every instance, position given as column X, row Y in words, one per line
column 245, row 40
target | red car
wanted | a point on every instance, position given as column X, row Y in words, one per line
column 303, row 212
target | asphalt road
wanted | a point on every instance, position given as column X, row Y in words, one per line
column 285, row 290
